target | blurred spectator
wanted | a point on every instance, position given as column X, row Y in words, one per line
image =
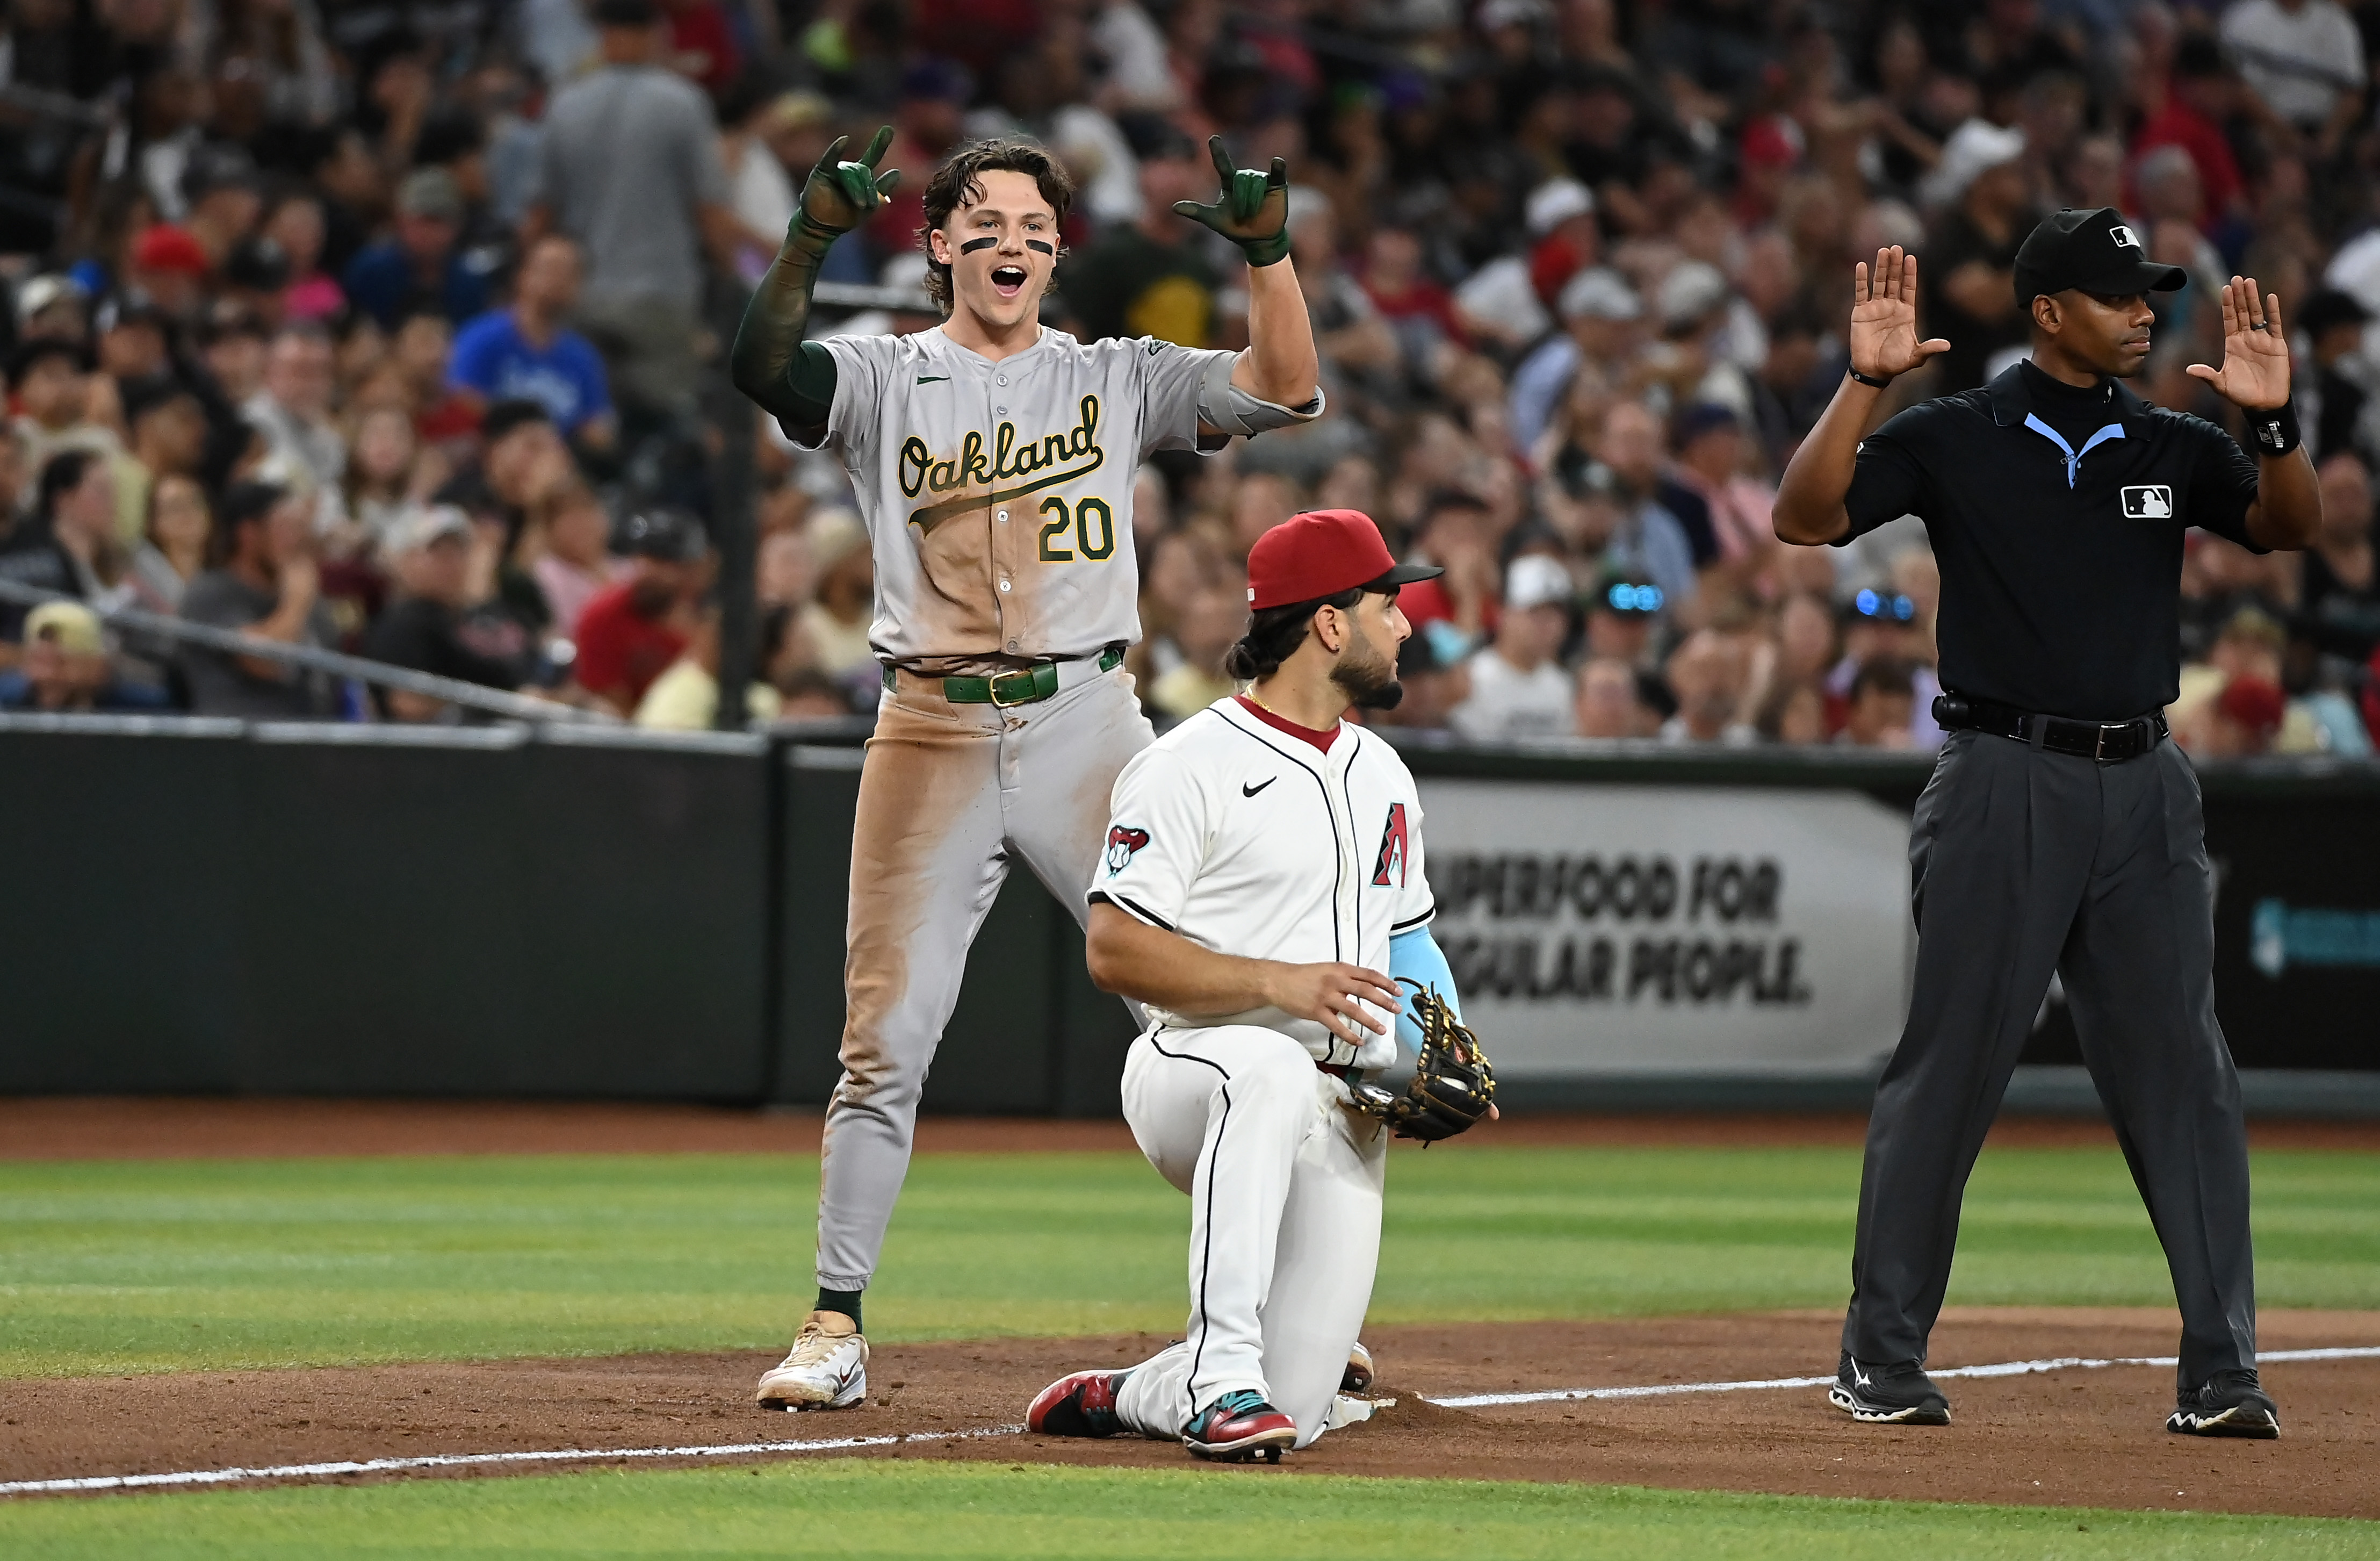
column 2332, row 406
column 1152, row 277
column 1650, row 540
column 1882, row 696
column 1215, row 619
column 2339, row 600
column 173, row 545
column 838, row 620
column 304, row 448
column 1792, row 713
column 1600, row 314
column 49, row 381
column 577, row 564
column 2305, row 59
column 297, row 224
column 1969, row 271
column 1434, row 687
column 1608, row 702
column 443, row 617
column 529, row 351
column 389, row 475
column 68, row 544
column 2242, row 719
column 1709, row 491
column 631, row 172
column 169, row 439
column 266, row 586
column 1518, row 687
column 630, row 633
column 1709, row 675
column 685, row 696
column 421, row 265
column 65, row 667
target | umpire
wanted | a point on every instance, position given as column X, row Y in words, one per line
column 2061, row 829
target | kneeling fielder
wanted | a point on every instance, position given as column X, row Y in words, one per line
column 1263, row 867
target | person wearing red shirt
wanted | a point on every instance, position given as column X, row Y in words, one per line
column 629, row 634
column 2195, row 103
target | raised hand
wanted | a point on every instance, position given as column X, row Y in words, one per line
column 2256, row 373
column 838, row 196
column 1254, row 210
column 1884, row 317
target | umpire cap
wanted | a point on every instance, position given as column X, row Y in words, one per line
column 2093, row 250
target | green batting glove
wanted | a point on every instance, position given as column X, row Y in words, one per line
column 1253, row 211
column 838, row 196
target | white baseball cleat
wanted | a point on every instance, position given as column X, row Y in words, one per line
column 827, row 1368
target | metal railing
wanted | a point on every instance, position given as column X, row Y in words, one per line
column 451, row 690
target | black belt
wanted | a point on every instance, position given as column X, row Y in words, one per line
column 2103, row 742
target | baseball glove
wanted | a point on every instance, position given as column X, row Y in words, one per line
column 1453, row 1086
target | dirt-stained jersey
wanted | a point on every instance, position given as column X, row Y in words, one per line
column 1235, row 831
column 998, row 496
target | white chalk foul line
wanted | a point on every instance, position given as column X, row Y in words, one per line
column 844, row 1443
column 476, row 1461
column 2001, row 1369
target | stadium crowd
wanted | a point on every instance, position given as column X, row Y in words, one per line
column 395, row 327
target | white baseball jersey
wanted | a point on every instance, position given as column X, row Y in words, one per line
column 998, row 496
column 1235, row 831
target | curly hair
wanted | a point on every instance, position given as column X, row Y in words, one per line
column 960, row 181
column 1275, row 633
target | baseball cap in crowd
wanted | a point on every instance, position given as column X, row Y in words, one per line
column 2328, row 309
column 218, row 166
column 1705, row 417
column 1153, row 137
column 433, row 193
column 2091, row 249
column 257, row 263
column 1974, row 150
column 46, row 292
column 1771, row 141
column 127, row 306
column 1599, row 293
column 669, row 535
column 427, row 527
column 1691, row 290
column 935, row 80
column 33, row 350
column 1322, row 553
column 71, row 627
column 165, row 247
column 1554, row 203
column 1630, row 596
column 1534, row 580
column 143, row 397
column 626, row 13
column 834, row 534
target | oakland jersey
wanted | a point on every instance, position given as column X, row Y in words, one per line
column 1237, row 832
column 998, row 496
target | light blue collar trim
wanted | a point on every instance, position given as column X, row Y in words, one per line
column 2073, row 455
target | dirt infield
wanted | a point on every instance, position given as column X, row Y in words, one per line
column 85, row 1128
column 2070, row 1437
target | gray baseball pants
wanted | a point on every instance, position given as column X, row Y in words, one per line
column 950, row 795
column 2024, row 861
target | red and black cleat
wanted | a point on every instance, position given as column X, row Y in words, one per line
column 1081, row 1404
column 1240, row 1428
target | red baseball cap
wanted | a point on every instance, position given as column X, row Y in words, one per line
column 167, row 248
column 1322, row 553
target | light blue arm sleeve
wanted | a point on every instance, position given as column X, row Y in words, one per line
column 1415, row 956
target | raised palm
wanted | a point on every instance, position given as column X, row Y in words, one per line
column 1884, row 317
column 2256, row 373
column 838, row 196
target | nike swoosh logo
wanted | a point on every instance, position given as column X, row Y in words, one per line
column 1247, row 790
column 932, row 379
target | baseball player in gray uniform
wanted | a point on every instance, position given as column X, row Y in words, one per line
column 993, row 459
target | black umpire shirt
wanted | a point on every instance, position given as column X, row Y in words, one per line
column 2056, row 516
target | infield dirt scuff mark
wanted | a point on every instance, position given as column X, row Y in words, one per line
column 2062, row 1438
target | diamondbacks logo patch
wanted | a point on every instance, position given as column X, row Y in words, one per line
column 1123, row 841
column 2152, row 501
column 1393, row 851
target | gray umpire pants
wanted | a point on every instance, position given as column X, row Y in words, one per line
column 2024, row 861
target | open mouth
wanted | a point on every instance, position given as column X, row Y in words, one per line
column 1008, row 280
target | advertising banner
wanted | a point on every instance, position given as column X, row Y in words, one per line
column 1612, row 931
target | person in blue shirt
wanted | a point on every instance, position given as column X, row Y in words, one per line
column 527, row 352
column 423, row 265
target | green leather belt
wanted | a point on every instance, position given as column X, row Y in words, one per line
column 1026, row 685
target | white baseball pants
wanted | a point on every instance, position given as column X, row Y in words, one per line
column 1285, row 1185
column 949, row 797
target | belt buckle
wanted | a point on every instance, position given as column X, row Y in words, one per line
column 1021, row 681
column 2099, row 744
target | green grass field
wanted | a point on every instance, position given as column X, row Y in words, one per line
column 163, row 1265
column 110, row 1267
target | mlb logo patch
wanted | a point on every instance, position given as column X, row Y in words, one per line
column 2124, row 237
column 2151, row 502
